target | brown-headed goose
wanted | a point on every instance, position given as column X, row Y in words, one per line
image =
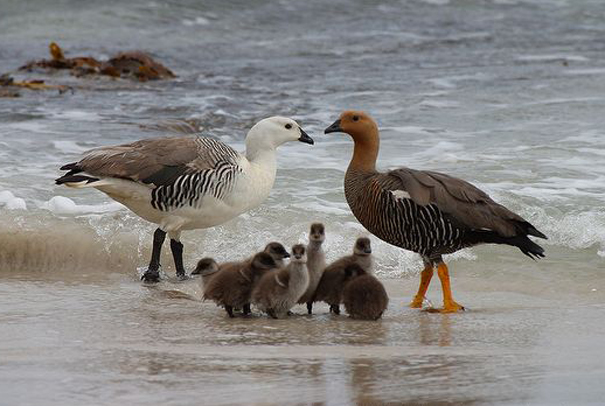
column 278, row 291
column 423, row 211
column 363, row 296
column 316, row 263
column 185, row 183
column 233, row 287
column 332, row 281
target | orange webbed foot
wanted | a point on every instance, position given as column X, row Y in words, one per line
column 451, row 307
column 417, row 302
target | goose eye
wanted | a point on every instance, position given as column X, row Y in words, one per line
column 288, row 126
column 355, row 118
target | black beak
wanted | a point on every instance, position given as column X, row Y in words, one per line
column 304, row 137
column 286, row 255
column 334, row 128
column 368, row 250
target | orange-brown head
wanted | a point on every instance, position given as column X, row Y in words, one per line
column 364, row 131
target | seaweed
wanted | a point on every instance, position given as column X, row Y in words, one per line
column 7, row 81
column 133, row 64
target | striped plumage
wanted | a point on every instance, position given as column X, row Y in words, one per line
column 423, row 211
column 186, row 183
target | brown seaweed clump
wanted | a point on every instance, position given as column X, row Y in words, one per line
column 132, row 64
column 7, row 85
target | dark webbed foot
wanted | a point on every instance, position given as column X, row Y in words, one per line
column 271, row 313
column 182, row 277
column 151, row 276
column 229, row 310
column 290, row 313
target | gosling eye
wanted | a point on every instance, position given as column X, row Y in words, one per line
column 355, row 118
column 288, row 126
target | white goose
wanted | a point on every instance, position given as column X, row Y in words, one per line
column 185, row 183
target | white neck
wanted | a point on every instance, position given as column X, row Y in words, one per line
column 264, row 156
column 299, row 277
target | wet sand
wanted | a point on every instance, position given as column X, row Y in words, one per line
column 106, row 340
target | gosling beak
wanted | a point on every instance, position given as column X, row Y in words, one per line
column 304, row 137
column 367, row 250
column 334, row 128
column 286, row 255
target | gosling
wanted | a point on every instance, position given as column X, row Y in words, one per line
column 232, row 287
column 316, row 263
column 332, row 282
column 278, row 291
column 363, row 296
column 206, row 268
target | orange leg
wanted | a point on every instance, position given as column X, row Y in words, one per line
column 425, row 280
column 449, row 305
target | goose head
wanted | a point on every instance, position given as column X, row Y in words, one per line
column 317, row 234
column 358, row 124
column 272, row 132
column 299, row 254
column 278, row 252
column 362, row 247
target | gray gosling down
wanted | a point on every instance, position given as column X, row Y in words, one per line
column 332, row 281
column 316, row 263
column 232, row 287
column 278, row 291
column 363, row 296
column 207, row 270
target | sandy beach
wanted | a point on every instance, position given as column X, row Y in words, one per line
column 106, row 339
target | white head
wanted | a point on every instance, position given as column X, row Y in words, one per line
column 272, row 132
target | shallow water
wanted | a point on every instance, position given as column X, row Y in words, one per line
column 507, row 94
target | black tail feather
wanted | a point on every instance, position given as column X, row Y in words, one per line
column 71, row 167
column 69, row 178
column 527, row 246
column 533, row 231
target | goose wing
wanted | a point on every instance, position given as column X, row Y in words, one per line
column 462, row 202
column 158, row 161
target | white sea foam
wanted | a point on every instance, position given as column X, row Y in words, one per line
column 196, row 21
column 70, row 147
column 11, row 202
column 550, row 58
column 64, row 205
column 76, row 115
column 16, row 204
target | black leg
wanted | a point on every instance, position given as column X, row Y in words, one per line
column 309, row 307
column 335, row 309
column 271, row 313
column 247, row 309
column 177, row 253
column 229, row 311
column 153, row 271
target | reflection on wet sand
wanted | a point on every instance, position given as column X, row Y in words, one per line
column 434, row 330
column 128, row 342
